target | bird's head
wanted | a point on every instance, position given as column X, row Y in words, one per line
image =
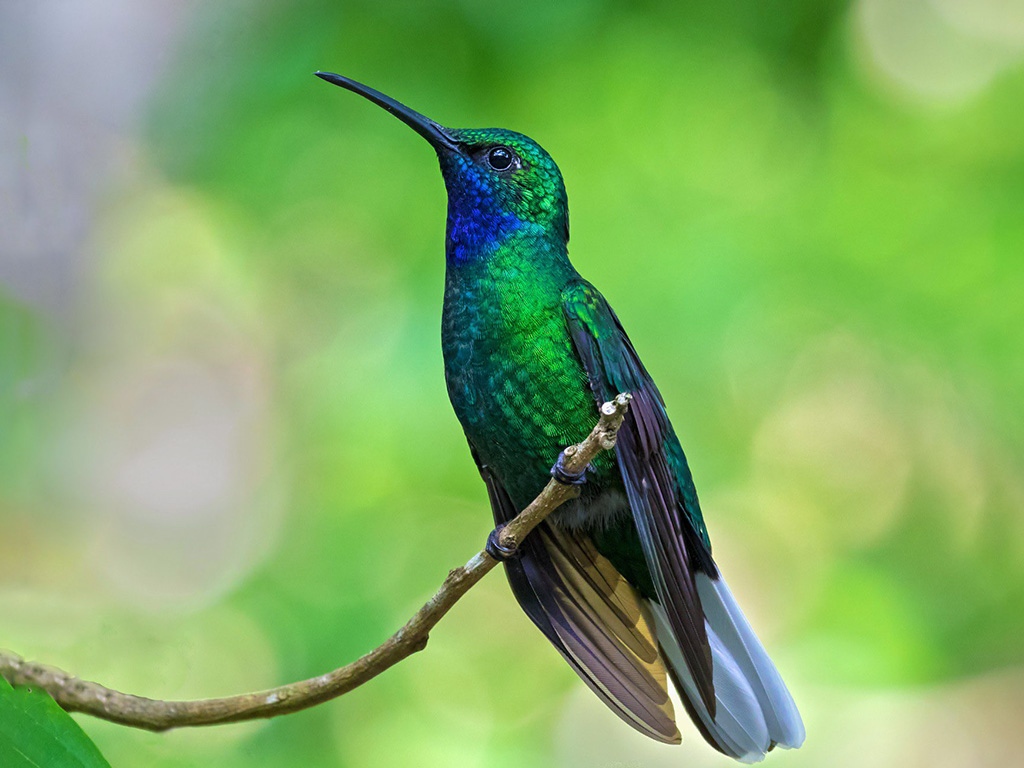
column 499, row 182
column 504, row 175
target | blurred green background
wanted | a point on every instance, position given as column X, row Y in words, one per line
column 227, row 459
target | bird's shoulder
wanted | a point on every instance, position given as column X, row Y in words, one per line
column 604, row 348
column 584, row 304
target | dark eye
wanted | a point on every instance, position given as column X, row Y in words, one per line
column 500, row 158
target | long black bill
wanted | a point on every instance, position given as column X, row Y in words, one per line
column 437, row 135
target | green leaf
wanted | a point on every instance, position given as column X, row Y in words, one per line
column 36, row 733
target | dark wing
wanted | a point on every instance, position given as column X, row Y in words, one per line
column 655, row 474
column 592, row 616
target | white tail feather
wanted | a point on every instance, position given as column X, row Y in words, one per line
column 738, row 728
column 723, row 614
column 754, row 709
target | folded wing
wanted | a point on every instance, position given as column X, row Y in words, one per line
column 593, row 617
column 665, row 511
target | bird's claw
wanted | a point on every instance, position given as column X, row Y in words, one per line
column 564, row 476
column 495, row 548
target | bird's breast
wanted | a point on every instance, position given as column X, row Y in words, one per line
column 514, row 381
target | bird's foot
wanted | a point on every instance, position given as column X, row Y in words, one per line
column 496, row 549
column 564, row 476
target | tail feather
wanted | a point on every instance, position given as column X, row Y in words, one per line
column 754, row 710
column 738, row 727
column 785, row 726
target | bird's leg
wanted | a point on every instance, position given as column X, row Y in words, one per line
column 496, row 549
column 564, row 476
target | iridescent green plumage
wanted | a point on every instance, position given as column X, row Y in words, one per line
column 620, row 580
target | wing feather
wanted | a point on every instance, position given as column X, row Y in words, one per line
column 648, row 452
column 593, row 617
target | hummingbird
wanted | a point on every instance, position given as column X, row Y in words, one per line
column 621, row 579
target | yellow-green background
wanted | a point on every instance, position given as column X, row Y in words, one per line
column 227, row 460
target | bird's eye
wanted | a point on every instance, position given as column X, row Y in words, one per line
column 500, row 158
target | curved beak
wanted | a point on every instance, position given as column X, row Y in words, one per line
column 437, row 135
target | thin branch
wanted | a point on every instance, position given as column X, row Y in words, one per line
column 76, row 695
